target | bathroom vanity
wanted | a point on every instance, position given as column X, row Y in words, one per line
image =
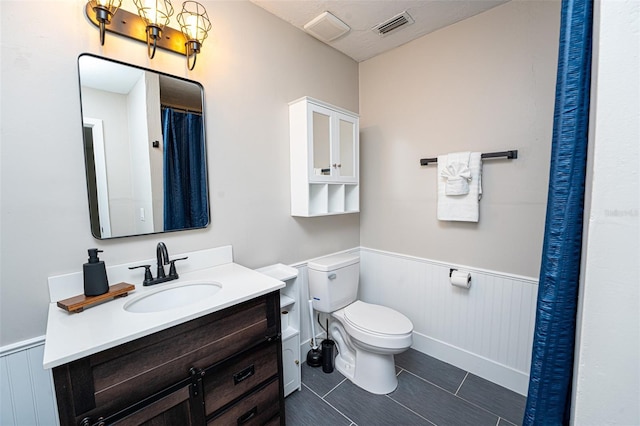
column 216, row 359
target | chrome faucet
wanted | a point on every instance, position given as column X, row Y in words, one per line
column 162, row 258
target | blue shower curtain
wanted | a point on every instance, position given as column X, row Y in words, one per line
column 549, row 396
column 185, row 176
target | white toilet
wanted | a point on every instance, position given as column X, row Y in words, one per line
column 367, row 335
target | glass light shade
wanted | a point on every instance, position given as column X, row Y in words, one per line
column 155, row 13
column 194, row 22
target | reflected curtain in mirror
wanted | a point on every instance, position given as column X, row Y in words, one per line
column 185, row 177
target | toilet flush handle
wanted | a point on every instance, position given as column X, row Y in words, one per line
column 332, row 276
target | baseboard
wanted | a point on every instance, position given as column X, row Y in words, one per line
column 502, row 375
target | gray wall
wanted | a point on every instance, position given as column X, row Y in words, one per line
column 484, row 84
column 251, row 66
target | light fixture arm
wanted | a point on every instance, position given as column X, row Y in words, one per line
column 102, row 31
column 193, row 48
column 103, row 16
column 153, row 33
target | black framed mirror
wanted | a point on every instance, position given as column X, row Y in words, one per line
column 145, row 149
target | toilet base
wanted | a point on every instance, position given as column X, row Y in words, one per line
column 375, row 373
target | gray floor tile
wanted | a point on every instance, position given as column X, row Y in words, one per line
column 304, row 408
column 437, row 405
column 367, row 409
column 431, row 369
column 492, row 397
column 329, row 399
column 320, row 382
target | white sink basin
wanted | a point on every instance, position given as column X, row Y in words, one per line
column 173, row 297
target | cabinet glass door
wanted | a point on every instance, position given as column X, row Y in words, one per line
column 346, row 166
column 321, row 144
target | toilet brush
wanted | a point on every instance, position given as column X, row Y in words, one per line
column 314, row 356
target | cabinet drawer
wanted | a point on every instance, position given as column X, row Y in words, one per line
column 255, row 409
column 223, row 385
column 173, row 409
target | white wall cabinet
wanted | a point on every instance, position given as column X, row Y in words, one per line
column 290, row 322
column 324, row 143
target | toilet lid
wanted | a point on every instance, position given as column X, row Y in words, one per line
column 377, row 319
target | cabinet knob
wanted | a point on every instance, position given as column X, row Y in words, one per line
column 339, row 165
column 297, row 362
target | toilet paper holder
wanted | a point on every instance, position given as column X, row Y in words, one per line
column 458, row 281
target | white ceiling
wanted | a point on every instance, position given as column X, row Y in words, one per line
column 361, row 43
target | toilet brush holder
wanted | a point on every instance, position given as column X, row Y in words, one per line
column 328, row 351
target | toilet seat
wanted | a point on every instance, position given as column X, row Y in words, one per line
column 377, row 319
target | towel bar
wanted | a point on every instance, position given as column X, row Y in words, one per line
column 510, row 155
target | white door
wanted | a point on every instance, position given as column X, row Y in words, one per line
column 97, row 133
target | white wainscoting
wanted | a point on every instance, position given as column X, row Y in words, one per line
column 486, row 329
column 27, row 395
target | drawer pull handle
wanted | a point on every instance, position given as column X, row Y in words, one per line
column 248, row 415
column 244, row 374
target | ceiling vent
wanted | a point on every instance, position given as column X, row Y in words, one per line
column 401, row 20
column 326, row 27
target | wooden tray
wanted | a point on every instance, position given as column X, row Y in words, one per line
column 78, row 303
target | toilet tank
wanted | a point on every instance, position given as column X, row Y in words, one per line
column 333, row 281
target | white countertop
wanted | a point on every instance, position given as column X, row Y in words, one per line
column 74, row 336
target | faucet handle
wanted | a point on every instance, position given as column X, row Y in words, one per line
column 172, row 268
column 147, row 273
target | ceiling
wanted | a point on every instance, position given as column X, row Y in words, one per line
column 111, row 76
column 361, row 43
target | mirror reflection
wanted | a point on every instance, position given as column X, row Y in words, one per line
column 145, row 151
column 321, row 143
column 347, row 142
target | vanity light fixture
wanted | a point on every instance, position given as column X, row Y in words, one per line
column 195, row 25
column 104, row 11
column 155, row 14
column 150, row 25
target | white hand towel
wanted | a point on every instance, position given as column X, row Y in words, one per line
column 457, row 174
column 464, row 208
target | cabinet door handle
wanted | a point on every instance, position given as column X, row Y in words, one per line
column 248, row 415
column 244, row 374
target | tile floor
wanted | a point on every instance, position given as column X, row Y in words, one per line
column 430, row 392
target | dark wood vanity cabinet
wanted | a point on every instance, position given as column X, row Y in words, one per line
column 222, row 368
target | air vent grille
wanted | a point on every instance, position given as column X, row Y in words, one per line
column 393, row 24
